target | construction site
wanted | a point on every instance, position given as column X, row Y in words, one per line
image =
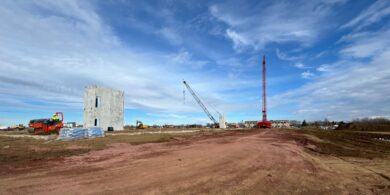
column 195, row 97
column 255, row 157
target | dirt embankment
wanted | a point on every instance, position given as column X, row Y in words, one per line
column 262, row 161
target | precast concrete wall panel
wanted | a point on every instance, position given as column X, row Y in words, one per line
column 103, row 107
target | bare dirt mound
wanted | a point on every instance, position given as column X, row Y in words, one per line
column 234, row 163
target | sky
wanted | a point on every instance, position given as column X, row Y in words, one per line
column 325, row 58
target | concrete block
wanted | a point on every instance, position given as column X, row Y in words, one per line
column 103, row 107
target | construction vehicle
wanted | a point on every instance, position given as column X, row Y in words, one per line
column 215, row 123
column 140, row 125
column 47, row 125
column 264, row 123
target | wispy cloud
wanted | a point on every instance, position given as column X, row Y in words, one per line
column 49, row 51
column 185, row 58
column 357, row 90
column 52, row 57
column 301, row 66
column 374, row 13
column 166, row 115
column 365, row 44
column 238, row 40
column 56, row 56
column 323, row 68
column 255, row 26
column 307, row 75
column 283, row 56
column 170, row 35
column 353, row 86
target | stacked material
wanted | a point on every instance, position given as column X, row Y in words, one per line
column 72, row 133
column 95, row 132
column 80, row 133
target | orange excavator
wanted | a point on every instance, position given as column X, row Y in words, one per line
column 47, row 125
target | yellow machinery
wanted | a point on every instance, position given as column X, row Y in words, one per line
column 140, row 125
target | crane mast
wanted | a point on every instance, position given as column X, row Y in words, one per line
column 264, row 94
column 264, row 123
column 200, row 103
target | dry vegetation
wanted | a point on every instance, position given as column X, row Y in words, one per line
column 269, row 161
column 18, row 152
column 366, row 124
column 348, row 143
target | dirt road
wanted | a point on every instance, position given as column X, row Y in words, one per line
column 257, row 162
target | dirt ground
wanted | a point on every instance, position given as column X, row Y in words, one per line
column 252, row 162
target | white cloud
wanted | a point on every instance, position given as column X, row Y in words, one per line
column 358, row 90
column 376, row 12
column 323, row 68
column 307, row 75
column 239, row 41
column 255, row 26
column 62, row 47
column 348, row 88
column 365, row 44
column 170, row 35
column 284, row 56
column 50, row 50
column 335, row 1
column 300, row 66
column 182, row 57
column 185, row 58
column 166, row 115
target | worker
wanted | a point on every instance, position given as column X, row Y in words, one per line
column 55, row 118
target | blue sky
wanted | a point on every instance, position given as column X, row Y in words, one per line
column 325, row 58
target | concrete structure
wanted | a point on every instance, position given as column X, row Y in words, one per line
column 274, row 123
column 250, row 124
column 70, row 124
column 222, row 122
column 280, row 124
column 103, row 108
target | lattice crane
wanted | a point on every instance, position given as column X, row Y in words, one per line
column 197, row 99
column 264, row 123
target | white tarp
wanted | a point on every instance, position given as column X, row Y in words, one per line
column 80, row 133
column 95, row 132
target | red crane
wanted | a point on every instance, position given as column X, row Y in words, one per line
column 264, row 123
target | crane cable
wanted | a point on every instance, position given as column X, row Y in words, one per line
column 184, row 93
column 202, row 99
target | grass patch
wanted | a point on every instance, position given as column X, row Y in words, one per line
column 348, row 143
column 101, row 143
column 16, row 152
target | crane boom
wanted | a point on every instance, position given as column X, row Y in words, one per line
column 200, row 102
